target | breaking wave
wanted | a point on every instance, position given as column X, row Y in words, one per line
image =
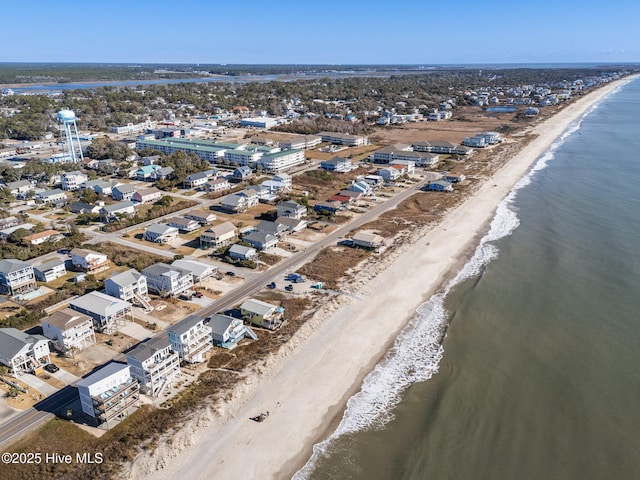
column 417, row 351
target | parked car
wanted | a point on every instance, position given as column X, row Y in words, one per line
column 272, row 285
column 51, row 368
column 289, row 288
column 231, row 274
column 198, row 295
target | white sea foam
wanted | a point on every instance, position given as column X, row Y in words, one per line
column 416, row 353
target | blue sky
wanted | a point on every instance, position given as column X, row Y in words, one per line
column 327, row 32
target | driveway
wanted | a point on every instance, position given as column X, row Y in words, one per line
column 64, row 376
column 40, row 385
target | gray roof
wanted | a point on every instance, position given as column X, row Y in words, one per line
column 163, row 268
column 145, row 350
column 220, row 323
column 241, row 249
column 104, row 372
column 13, row 340
column 259, row 237
column 18, row 184
column 273, row 228
column 256, row 306
column 197, row 269
column 159, row 228
column 99, row 303
column 118, row 206
column 9, row 265
column 126, row 188
column 126, row 278
column 185, row 325
column 48, row 264
column 233, row 199
column 51, row 193
column 79, row 207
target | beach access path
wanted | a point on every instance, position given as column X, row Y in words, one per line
column 306, row 390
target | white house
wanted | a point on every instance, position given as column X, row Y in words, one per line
column 191, row 339
column 234, row 203
column 163, row 278
column 147, row 195
column 16, row 277
column 110, row 212
column 50, row 270
column 42, row 237
column 291, row 209
column 240, row 252
column 203, row 217
column 108, row 312
column 51, row 196
column 160, row 233
column 88, row 260
column 261, row 313
column 123, row 192
column 367, row 240
column 227, row 331
column 109, row 393
column 127, row 285
column 73, row 180
column 389, row 173
column 199, row 270
column 21, row 352
column 183, row 224
column 69, row 329
column 154, row 365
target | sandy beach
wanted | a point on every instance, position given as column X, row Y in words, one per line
column 306, row 385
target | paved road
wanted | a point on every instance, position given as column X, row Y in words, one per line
column 257, row 283
column 18, row 425
column 37, row 415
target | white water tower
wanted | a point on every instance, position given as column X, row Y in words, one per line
column 67, row 121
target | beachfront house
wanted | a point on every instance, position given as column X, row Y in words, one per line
column 108, row 313
column 154, row 365
column 191, row 339
column 439, row 186
column 69, row 330
column 22, row 352
column 109, row 394
column 366, row 240
column 227, row 331
column 261, row 313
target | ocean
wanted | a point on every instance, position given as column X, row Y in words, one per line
column 526, row 364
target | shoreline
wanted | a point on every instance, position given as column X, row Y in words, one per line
column 332, row 355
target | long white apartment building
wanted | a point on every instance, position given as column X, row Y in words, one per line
column 281, row 161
